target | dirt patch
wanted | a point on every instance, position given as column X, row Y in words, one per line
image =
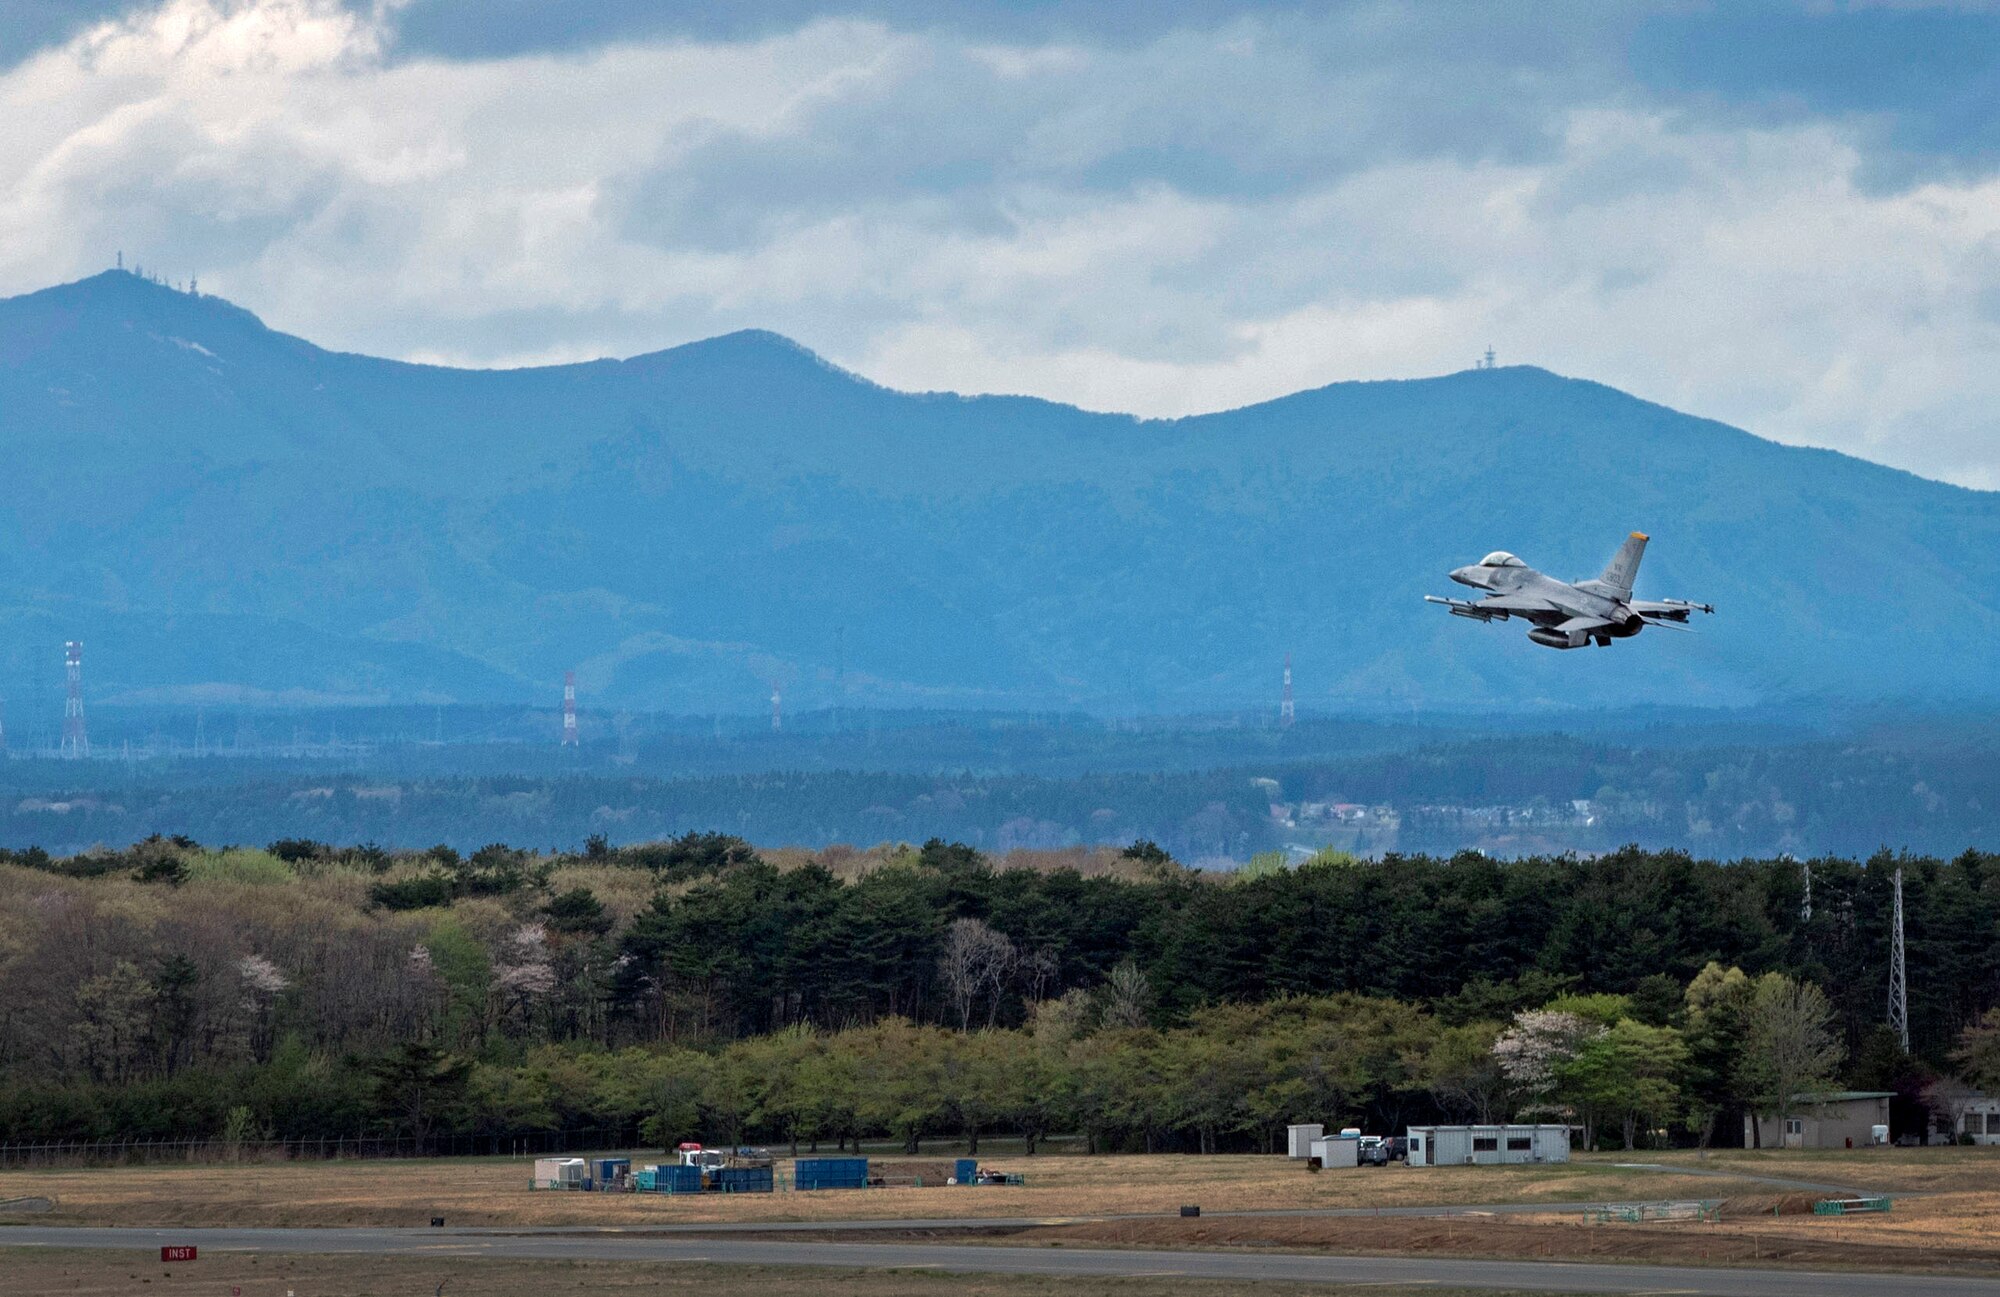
column 25, row 1206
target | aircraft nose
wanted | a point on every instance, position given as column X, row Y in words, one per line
column 1467, row 576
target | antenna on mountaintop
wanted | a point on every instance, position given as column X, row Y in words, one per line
column 1486, row 361
column 121, row 258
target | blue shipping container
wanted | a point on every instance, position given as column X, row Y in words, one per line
column 746, row 1179
column 679, row 1179
column 968, row 1170
column 608, row 1169
column 830, row 1173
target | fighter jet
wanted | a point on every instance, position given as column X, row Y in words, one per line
column 1565, row 614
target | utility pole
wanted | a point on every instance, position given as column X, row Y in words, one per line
column 1899, row 986
column 1805, row 907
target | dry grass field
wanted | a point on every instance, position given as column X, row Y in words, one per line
column 1931, row 1236
column 1946, row 1219
column 103, row 1274
column 495, row 1192
column 1891, row 1170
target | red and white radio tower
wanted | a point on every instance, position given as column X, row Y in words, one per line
column 1285, row 713
column 569, row 709
column 75, row 739
column 777, row 709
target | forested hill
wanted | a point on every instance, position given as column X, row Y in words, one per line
column 218, row 509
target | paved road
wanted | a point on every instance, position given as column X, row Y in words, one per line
column 1548, row 1277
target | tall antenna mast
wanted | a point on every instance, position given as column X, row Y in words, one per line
column 777, row 709
column 75, row 738
column 569, row 709
column 1286, row 714
column 1899, row 986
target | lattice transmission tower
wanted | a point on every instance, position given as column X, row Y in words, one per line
column 75, row 738
column 1286, row 713
column 1899, row 985
column 569, row 739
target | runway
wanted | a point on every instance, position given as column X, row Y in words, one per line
column 646, row 1245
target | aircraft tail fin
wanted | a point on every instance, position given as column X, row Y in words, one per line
column 1624, row 566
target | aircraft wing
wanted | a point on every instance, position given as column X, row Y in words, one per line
column 1498, row 607
column 1663, row 611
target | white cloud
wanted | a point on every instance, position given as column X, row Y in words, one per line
column 1204, row 220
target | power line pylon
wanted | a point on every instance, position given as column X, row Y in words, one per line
column 75, row 738
column 1899, row 986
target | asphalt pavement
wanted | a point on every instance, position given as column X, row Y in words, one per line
column 611, row 1245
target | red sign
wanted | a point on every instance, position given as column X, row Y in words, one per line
column 185, row 1252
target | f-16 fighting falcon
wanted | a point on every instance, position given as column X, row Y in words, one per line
column 1568, row 615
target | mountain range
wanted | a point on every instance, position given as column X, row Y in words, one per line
column 227, row 514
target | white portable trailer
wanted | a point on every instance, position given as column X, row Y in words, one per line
column 1487, row 1145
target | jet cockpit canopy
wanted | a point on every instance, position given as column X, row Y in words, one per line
column 1501, row 558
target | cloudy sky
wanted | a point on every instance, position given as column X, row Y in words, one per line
column 1787, row 217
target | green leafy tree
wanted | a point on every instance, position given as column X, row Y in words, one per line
column 1978, row 1052
column 1717, row 1015
column 1630, row 1074
column 1789, row 1049
column 1461, row 1074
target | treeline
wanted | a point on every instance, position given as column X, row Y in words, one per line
column 134, row 982
column 1670, row 1065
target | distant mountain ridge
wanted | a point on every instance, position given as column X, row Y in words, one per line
column 220, row 510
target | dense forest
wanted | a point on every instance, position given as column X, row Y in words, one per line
column 304, row 990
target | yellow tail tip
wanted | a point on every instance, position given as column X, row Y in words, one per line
column 1640, row 535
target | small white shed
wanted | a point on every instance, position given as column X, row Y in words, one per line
column 560, row 1173
column 1336, row 1151
column 1487, row 1145
column 1299, row 1139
